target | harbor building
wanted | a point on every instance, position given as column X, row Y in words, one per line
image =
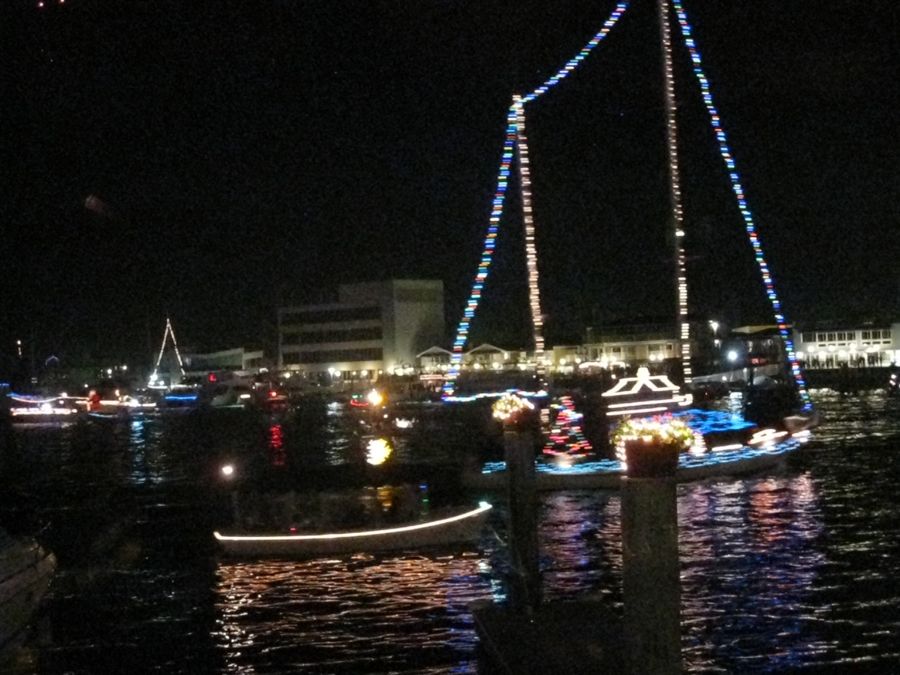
column 621, row 345
column 372, row 329
column 238, row 360
column 836, row 345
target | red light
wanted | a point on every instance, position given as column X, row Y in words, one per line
column 212, row 377
column 272, row 394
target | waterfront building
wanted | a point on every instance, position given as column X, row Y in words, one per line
column 238, row 360
column 374, row 328
column 625, row 345
column 434, row 360
column 841, row 344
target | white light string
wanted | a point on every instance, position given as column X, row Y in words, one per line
column 675, row 194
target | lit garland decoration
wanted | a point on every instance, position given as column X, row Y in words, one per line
column 566, row 437
column 737, row 188
column 509, row 407
column 462, row 331
column 534, row 293
column 663, row 429
column 675, row 192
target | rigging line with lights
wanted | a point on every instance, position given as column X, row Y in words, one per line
column 511, row 139
column 746, row 214
column 515, row 140
column 154, row 377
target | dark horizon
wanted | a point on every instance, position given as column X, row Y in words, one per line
column 210, row 161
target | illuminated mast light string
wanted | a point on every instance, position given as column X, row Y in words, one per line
column 462, row 331
column 737, row 188
column 534, row 294
column 675, row 193
column 169, row 331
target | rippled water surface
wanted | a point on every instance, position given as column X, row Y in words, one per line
column 791, row 570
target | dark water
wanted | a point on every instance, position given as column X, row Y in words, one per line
column 795, row 570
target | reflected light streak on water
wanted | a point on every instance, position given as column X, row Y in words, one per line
column 399, row 614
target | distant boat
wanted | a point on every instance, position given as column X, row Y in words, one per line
column 26, row 569
column 454, row 528
column 41, row 409
column 179, row 399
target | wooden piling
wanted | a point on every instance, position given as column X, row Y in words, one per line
column 651, row 584
column 525, row 581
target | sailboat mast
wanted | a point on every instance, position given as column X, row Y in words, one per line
column 162, row 348
column 681, row 308
column 534, row 293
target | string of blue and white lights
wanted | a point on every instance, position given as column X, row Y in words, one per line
column 487, row 254
column 737, row 188
column 490, row 242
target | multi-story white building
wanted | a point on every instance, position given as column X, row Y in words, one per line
column 373, row 328
column 835, row 346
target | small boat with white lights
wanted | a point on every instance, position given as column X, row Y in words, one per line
column 443, row 529
column 26, row 569
column 31, row 409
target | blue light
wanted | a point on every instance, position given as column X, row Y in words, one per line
column 180, row 397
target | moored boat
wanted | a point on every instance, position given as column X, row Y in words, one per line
column 452, row 528
column 42, row 409
column 608, row 474
column 727, row 445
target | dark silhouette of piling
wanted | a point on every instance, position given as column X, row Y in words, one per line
column 651, row 584
column 525, row 579
column 526, row 635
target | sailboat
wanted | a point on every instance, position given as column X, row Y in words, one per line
column 715, row 442
column 177, row 397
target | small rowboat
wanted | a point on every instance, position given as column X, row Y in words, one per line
column 452, row 529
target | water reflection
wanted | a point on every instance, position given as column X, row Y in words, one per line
column 378, row 450
column 749, row 562
column 781, row 572
column 277, row 453
column 399, row 614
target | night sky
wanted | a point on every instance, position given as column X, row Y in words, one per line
column 245, row 154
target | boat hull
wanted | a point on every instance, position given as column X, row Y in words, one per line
column 454, row 529
column 604, row 476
